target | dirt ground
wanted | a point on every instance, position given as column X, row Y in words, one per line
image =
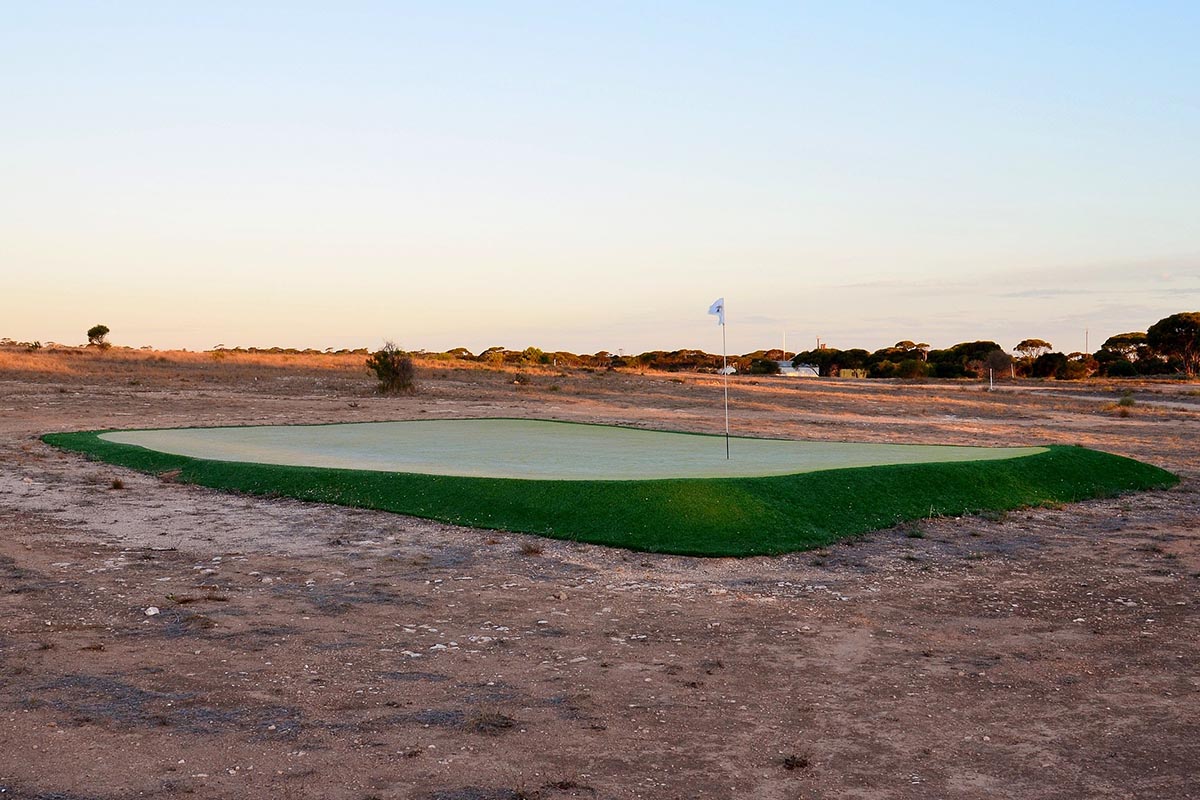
column 309, row 651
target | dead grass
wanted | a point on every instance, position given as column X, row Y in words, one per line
column 488, row 722
column 139, row 365
column 301, row 371
column 794, row 762
column 33, row 362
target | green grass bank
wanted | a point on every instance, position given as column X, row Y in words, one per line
column 686, row 516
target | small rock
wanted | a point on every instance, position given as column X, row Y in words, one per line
column 152, row 610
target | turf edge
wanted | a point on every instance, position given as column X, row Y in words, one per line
column 688, row 516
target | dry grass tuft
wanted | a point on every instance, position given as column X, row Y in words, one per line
column 489, row 723
column 794, row 762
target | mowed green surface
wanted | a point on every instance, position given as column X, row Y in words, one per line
column 734, row 516
column 534, row 449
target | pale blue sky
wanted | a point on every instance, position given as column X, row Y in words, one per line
column 590, row 176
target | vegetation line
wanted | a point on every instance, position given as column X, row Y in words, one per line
column 703, row 517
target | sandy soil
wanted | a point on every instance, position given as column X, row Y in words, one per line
column 309, row 651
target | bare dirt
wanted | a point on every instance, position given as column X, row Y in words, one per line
column 310, row 651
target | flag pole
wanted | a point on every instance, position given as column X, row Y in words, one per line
column 718, row 308
column 725, row 370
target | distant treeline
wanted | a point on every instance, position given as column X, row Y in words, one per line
column 664, row 360
column 1171, row 346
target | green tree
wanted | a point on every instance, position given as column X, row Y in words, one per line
column 96, row 335
column 1178, row 336
column 828, row 360
column 963, row 360
column 1120, row 368
column 492, row 355
column 1129, row 346
column 533, row 355
column 854, row 358
column 1000, row 363
column 763, row 366
column 1030, row 349
column 1049, row 365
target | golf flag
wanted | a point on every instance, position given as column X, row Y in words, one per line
column 718, row 308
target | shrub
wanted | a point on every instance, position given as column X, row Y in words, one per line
column 912, row 368
column 1121, row 369
column 882, row 369
column 763, row 366
column 1073, row 371
column 393, row 367
column 1049, row 365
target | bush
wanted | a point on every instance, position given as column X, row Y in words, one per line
column 393, row 367
column 912, row 368
column 1049, row 365
column 1121, row 369
column 882, row 369
column 1073, row 371
column 949, row 370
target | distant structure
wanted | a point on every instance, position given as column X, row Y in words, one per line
column 729, row 370
column 798, row 371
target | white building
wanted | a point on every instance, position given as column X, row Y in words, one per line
column 798, row 371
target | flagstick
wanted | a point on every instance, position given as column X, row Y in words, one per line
column 725, row 371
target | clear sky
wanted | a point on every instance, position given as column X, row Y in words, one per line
column 591, row 175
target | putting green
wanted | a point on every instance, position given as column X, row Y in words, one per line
column 676, row 493
column 535, row 450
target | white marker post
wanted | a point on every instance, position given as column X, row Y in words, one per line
column 718, row 308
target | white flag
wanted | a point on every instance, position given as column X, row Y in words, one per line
column 718, row 308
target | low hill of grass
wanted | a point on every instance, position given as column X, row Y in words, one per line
column 703, row 517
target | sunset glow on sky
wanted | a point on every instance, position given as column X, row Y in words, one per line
column 590, row 176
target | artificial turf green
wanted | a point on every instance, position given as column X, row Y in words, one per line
column 687, row 516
